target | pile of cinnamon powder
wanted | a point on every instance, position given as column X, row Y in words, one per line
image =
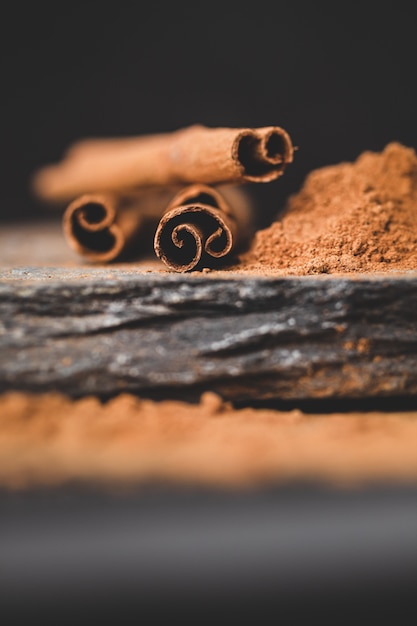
column 350, row 217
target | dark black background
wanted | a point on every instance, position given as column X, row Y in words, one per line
column 340, row 80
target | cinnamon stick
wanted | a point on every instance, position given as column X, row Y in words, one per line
column 105, row 227
column 195, row 154
column 203, row 225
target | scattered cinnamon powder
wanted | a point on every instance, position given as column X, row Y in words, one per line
column 350, row 217
column 51, row 439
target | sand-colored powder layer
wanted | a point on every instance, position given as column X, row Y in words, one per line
column 51, row 439
column 349, row 217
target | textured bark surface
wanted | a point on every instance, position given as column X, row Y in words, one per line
column 106, row 330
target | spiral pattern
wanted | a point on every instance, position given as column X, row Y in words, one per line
column 193, row 236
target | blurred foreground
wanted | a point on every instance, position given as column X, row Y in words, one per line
column 299, row 552
column 50, row 439
column 133, row 508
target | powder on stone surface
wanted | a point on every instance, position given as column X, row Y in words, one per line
column 350, row 217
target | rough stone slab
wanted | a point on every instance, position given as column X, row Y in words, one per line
column 110, row 329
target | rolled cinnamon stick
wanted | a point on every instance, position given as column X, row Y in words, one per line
column 105, row 227
column 203, row 225
column 195, row 154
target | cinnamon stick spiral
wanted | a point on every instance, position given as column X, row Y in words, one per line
column 203, row 225
column 105, row 227
column 195, row 154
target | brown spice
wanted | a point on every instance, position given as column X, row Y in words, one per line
column 105, row 227
column 202, row 225
column 350, row 217
column 195, row 154
column 51, row 439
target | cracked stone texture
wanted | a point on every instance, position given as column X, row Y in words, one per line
column 83, row 329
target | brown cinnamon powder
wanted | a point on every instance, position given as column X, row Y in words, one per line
column 51, row 439
column 350, row 217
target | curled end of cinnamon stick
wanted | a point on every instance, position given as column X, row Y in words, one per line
column 264, row 153
column 191, row 236
column 90, row 229
column 202, row 226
